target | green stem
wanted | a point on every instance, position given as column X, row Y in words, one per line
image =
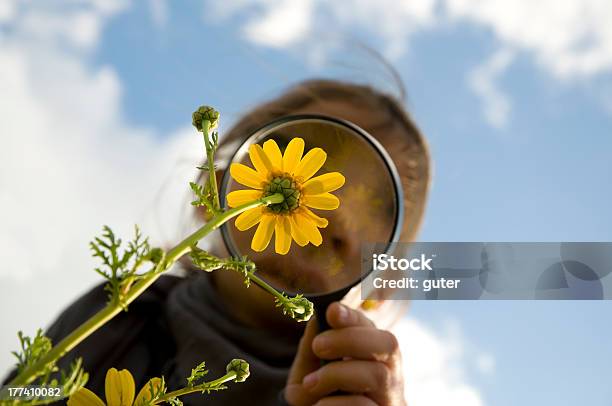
column 211, row 164
column 265, row 286
column 198, row 388
column 112, row 309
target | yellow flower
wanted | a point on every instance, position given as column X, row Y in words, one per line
column 119, row 389
column 292, row 175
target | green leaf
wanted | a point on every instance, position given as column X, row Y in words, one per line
column 119, row 263
column 196, row 374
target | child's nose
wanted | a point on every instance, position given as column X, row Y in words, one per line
column 342, row 240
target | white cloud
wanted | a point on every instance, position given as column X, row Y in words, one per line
column 483, row 81
column 76, row 24
column 567, row 37
column 79, row 29
column 570, row 39
column 8, row 9
column 435, row 366
column 308, row 26
column 69, row 164
column 287, row 23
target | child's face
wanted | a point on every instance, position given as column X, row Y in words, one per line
column 336, row 262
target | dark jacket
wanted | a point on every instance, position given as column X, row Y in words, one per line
column 172, row 327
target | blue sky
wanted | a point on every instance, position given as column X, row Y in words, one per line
column 518, row 123
column 544, row 171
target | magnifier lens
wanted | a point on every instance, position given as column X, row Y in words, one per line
column 369, row 207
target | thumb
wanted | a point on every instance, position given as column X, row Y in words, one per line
column 305, row 361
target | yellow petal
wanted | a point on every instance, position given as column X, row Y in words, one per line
column 263, row 234
column 260, row 160
column 145, row 393
column 84, row 397
column 282, row 233
column 293, row 154
column 296, row 233
column 248, row 218
column 246, row 176
column 271, row 149
column 310, row 164
column 119, row 388
column 318, row 221
column 324, row 201
column 324, row 183
column 238, row 197
column 309, row 228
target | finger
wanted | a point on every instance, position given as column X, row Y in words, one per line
column 346, row 400
column 339, row 316
column 365, row 343
column 371, row 378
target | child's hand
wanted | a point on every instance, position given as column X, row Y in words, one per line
column 367, row 366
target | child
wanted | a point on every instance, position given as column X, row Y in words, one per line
column 179, row 322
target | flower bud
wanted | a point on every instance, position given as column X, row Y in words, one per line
column 303, row 308
column 205, row 113
column 240, row 367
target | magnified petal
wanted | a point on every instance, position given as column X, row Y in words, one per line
column 310, row 164
column 282, row 234
column 296, row 233
column 318, row 221
column 260, row 160
column 324, row 201
column 263, row 234
column 274, row 154
column 238, row 197
column 145, row 393
column 84, row 397
column 248, row 219
column 246, row 176
column 119, row 387
column 293, row 154
column 309, row 228
column 324, row 183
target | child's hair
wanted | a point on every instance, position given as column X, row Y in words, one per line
column 410, row 154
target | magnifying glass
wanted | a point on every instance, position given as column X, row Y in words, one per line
column 371, row 211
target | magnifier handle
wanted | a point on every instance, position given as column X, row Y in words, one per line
column 321, row 303
column 320, row 307
column 320, row 311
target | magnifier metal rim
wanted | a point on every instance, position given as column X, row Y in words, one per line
column 296, row 118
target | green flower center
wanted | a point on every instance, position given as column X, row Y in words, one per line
column 289, row 189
